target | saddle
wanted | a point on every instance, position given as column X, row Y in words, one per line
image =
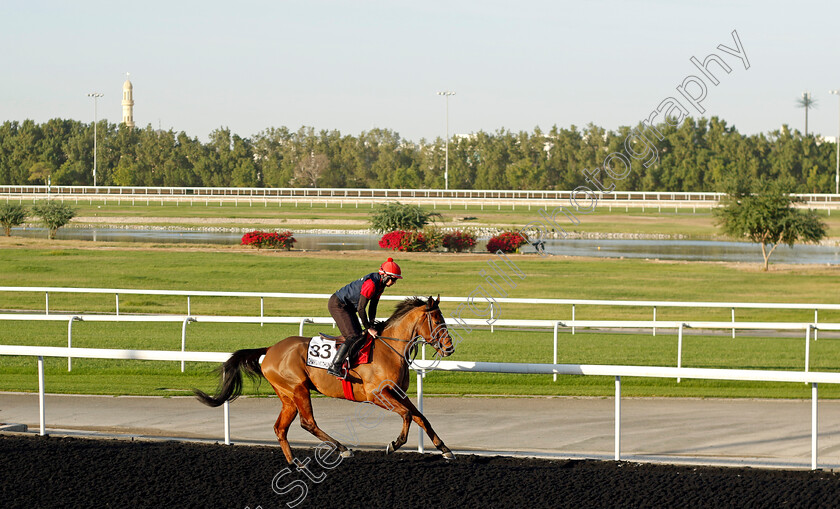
column 360, row 355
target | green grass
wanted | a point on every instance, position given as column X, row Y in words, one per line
column 241, row 269
column 95, row 376
column 101, row 376
column 237, row 269
column 687, row 223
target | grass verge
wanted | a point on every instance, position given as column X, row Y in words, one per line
column 237, row 269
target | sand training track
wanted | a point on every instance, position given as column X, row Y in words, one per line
column 71, row 472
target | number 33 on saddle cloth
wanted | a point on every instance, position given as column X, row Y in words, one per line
column 322, row 350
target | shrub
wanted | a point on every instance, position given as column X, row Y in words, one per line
column 411, row 240
column 433, row 238
column 415, row 241
column 459, row 241
column 507, row 242
column 54, row 215
column 11, row 215
column 270, row 240
column 397, row 216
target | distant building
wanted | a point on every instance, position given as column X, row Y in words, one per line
column 128, row 104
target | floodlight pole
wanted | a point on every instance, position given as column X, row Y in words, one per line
column 95, row 96
column 446, row 94
column 837, row 150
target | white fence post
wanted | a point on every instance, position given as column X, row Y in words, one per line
column 814, row 433
column 807, row 347
column 816, row 320
column 679, row 348
column 227, row 422
column 654, row 320
column 70, row 339
column 262, row 314
column 491, row 318
column 47, row 305
column 41, row 410
column 118, row 303
column 554, row 359
column 618, row 418
column 184, row 340
column 420, row 434
column 188, row 306
column 733, row 321
column 573, row 318
column 423, row 355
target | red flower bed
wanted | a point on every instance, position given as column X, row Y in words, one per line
column 270, row 240
column 392, row 240
column 402, row 240
column 507, row 242
column 459, row 241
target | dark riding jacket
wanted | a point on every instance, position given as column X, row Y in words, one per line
column 361, row 292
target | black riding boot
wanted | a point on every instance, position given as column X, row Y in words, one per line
column 335, row 367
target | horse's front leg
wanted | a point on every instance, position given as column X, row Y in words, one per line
column 406, row 409
column 405, row 413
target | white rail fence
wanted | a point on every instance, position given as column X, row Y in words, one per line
column 555, row 325
column 494, row 304
column 812, row 378
column 183, row 320
column 369, row 194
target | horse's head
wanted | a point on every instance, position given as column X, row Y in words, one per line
column 432, row 329
column 421, row 322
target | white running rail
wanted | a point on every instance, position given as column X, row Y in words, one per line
column 494, row 304
column 813, row 378
column 556, row 325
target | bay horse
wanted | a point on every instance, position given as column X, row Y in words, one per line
column 382, row 382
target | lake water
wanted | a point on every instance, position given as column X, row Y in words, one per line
column 703, row 250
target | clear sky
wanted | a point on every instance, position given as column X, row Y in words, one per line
column 357, row 65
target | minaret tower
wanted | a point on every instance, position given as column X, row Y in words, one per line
column 128, row 103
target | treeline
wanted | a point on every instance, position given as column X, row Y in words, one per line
column 698, row 155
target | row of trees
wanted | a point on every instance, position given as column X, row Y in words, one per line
column 53, row 215
column 698, row 155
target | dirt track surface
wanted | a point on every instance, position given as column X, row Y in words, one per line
column 71, row 472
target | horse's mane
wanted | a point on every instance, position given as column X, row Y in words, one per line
column 403, row 308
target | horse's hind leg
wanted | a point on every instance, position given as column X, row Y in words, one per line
column 284, row 420
column 307, row 420
column 403, row 406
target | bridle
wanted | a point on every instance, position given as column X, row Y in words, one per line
column 413, row 343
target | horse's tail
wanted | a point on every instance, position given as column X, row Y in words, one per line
column 230, row 387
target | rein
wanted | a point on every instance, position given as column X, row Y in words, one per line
column 383, row 338
column 437, row 345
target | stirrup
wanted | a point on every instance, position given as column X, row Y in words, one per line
column 341, row 372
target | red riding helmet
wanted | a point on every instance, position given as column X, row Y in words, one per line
column 391, row 269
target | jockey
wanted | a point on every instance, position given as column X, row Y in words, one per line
column 351, row 300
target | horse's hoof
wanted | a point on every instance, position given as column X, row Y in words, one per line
column 347, row 454
column 448, row 456
column 389, row 448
